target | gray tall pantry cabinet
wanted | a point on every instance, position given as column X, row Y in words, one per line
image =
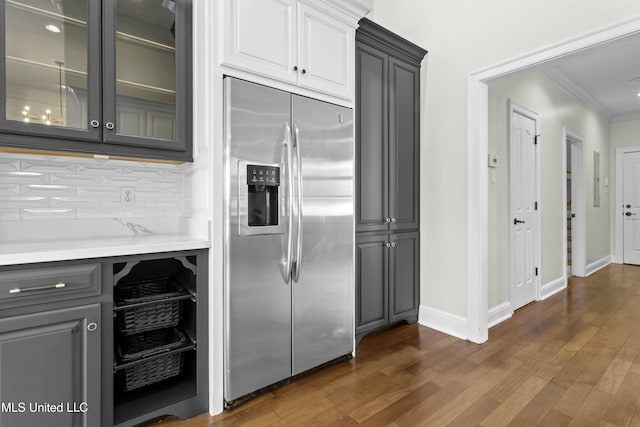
column 387, row 178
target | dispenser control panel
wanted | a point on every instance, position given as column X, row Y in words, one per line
column 263, row 175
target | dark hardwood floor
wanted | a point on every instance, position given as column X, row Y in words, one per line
column 571, row 360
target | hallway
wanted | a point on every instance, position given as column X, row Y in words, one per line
column 571, row 360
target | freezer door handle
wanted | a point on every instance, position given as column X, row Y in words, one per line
column 289, row 201
column 297, row 263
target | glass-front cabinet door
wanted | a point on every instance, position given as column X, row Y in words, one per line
column 50, row 75
column 97, row 76
column 145, row 80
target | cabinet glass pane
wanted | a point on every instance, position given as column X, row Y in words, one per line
column 46, row 62
column 146, row 69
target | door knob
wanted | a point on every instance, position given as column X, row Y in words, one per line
column 516, row 221
column 629, row 214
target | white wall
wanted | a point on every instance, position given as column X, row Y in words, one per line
column 463, row 37
column 532, row 90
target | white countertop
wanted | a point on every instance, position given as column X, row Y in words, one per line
column 70, row 249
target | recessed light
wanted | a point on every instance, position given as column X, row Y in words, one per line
column 53, row 28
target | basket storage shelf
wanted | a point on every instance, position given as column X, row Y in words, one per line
column 151, row 357
column 148, row 305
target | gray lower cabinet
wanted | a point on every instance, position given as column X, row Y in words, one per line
column 158, row 363
column 404, row 287
column 104, row 342
column 372, row 283
column 387, row 284
column 50, row 368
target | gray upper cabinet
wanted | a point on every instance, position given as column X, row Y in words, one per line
column 372, row 153
column 51, row 358
column 387, row 130
column 404, row 145
column 109, row 77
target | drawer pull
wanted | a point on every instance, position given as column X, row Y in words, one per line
column 58, row 285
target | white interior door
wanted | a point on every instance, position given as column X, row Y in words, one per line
column 576, row 202
column 523, row 128
column 631, row 210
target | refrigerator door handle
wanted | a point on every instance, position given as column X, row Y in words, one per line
column 289, row 199
column 298, row 256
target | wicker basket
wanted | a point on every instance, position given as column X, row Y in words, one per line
column 151, row 367
column 155, row 312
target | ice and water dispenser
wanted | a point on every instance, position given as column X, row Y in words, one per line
column 262, row 201
column 260, row 207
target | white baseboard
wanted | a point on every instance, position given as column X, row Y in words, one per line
column 443, row 321
column 553, row 287
column 597, row 265
column 500, row 313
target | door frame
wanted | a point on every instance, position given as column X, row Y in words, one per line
column 618, row 256
column 514, row 108
column 578, row 228
column 477, row 149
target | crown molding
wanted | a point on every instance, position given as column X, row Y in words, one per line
column 350, row 10
column 372, row 32
column 576, row 92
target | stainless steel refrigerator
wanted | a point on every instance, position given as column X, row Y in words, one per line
column 289, row 237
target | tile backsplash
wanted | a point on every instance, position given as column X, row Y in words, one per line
column 36, row 188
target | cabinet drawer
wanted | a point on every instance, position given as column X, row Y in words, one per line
column 47, row 284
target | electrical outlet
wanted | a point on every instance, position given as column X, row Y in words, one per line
column 127, row 196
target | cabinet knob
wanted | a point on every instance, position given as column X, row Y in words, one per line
column 393, row 244
column 295, row 68
column 110, row 125
column 393, row 220
column 94, row 123
column 92, row 326
column 304, row 71
column 387, row 219
column 388, row 245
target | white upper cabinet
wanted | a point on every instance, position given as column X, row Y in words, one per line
column 260, row 36
column 290, row 41
column 325, row 53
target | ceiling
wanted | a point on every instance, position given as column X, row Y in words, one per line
column 601, row 77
